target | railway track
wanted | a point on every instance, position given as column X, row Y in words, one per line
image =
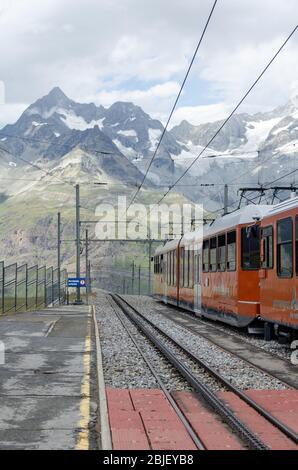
column 162, row 341
column 255, row 356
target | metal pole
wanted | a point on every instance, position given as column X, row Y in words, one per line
column 226, row 196
column 59, row 256
column 78, row 253
column 139, row 280
column 133, row 277
column 149, row 266
column 87, row 267
column 89, row 276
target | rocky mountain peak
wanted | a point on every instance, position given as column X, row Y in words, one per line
column 49, row 103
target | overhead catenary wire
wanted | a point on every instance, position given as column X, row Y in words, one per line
column 231, row 114
column 174, row 106
column 264, row 186
column 36, row 166
column 52, row 142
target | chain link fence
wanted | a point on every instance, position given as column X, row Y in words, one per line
column 28, row 288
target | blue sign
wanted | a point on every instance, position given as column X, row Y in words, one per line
column 76, row 282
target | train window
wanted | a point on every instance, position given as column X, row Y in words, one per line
column 221, row 252
column 212, row 265
column 181, row 267
column 161, row 264
column 285, row 248
column 296, row 245
column 171, row 268
column 190, row 264
column 267, row 240
column 205, row 256
column 167, row 267
column 250, row 247
column 231, row 251
column 174, row 268
column 186, row 267
column 197, row 277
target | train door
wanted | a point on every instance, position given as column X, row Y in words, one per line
column 197, row 280
column 165, row 276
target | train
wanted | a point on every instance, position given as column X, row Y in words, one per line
column 240, row 269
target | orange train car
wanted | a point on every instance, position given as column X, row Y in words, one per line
column 242, row 270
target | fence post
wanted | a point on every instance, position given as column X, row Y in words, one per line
column 16, row 289
column 45, row 287
column 26, row 288
column 2, row 287
column 132, row 277
column 36, row 289
column 52, row 287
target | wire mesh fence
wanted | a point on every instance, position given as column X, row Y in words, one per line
column 28, row 288
column 130, row 281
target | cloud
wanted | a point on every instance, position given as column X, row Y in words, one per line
column 139, row 51
column 10, row 112
column 201, row 114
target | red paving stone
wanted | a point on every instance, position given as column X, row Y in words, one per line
column 212, row 431
column 283, row 404
column 268, row 433
column 143, row 419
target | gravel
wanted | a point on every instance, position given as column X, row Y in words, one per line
column 235, row 370
column 123, row 366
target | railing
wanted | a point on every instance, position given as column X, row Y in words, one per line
column 28, row 288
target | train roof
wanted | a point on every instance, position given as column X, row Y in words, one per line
column 170, row 245
column 245, row 215
column 283, row 206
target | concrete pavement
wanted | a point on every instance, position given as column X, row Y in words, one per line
column 48, row 381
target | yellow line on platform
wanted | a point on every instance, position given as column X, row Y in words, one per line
column 83, row 436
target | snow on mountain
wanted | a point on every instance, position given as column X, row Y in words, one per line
column 78, row 122
column 55, row 125
column 256, row 133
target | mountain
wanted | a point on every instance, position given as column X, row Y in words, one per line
column 58, row 140
column 243, row 132
column 55, row 124
column 123, row 138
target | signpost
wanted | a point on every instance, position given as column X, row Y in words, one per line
column 77, row 282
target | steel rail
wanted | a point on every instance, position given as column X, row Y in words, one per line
column 200, row 321
column 197, row 441
column 201, row 389
column 281, row 426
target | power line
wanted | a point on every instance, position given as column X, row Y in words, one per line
column 237, row 178
column 232, row 113
column 174, row 106
column 50, row 142
column 254, row 198
column 34, row 165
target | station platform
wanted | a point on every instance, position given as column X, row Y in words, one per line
column 46, row 379
column 142, row 419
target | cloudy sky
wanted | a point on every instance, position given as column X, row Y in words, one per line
column 138, row 50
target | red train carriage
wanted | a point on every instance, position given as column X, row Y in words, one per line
column 230, row 278
column 243, row 269
column 165, row 272
column 279, row 269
